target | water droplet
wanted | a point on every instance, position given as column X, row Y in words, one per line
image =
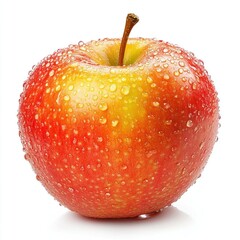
column 107, row 194
column 26, row 156
column 145, row 94
column 102, row 120
column 194, row 86
column 183, row 170
column 139, row 165
column 114, row 123
column 80, row 43
column 149, row 80
column 164, row 189
column 83, row 48
column 123, row 182
column 155, row 104
column 176, row 73
column 99, row 139
column 36, row 116
column 58, row 88
column 165, row 50
column 95, row 97
column 165, row 65
column 168, row 122
column 38, row 178
column 70, row 88
column 125, row 90
column 75, row 131
column 124, row 167
column 180, row 70
column 153, row 85
column 66, row 98
column 113, row 87
column 181, row 64
column 101, row 86
column 151, row 153
column 59, row 184
column 80, row 105
column 145, row 180
column 189, row 123
column 70, row 189
column 147, row 215
column 105, row 95
column 48, row 90
column 166, row 105
column 103, row 106
column 201, row 145
column 166, row 76
column 51, row 73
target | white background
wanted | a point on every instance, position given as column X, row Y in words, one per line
column 30, row 30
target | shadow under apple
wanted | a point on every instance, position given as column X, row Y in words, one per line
column 163, row 222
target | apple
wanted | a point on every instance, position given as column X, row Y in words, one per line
column 114, row 135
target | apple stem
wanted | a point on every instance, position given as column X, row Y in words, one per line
column 131, row 20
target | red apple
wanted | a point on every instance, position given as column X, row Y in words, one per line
column 110, row 141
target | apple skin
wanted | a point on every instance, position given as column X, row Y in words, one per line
column 115, row 142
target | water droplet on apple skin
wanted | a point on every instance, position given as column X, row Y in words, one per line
column 51, row 73
column 189, row 123
column 103, row 106
column 113, row 87
column 166, row 76
column 38, row 178
column 181, row 64
column 168, row 122
column 66, row 98
column 150, row 215
column 115, row 123
column 80, row 43
column 107, row 194
column 102, row 120
column 71, row 190
column 26, row 156
column 156, row 104
column 125, row 90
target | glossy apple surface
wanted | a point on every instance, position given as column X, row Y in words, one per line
column 112, row 141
